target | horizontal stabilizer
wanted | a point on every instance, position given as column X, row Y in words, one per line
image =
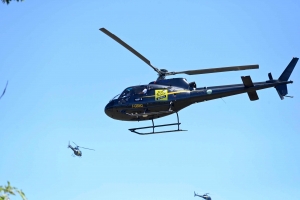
column 253, row 96
column 248, row 83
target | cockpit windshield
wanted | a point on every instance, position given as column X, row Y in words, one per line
column 115, row 97
column 126, row 93
column 139, row 90
column 133, row 90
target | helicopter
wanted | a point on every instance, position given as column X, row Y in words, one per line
column 76, row 149
column 4, row 90
column 164, row 97
column 204, row 196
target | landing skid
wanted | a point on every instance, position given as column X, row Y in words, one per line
column 153, row 127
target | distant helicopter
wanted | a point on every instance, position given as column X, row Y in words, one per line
column 4, row 90
column 76, row 150
column 168, row 96
column 204, row 196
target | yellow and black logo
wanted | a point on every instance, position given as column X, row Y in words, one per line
column 161, row 95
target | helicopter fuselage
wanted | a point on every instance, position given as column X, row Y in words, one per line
column 76, row 151
column 165, row 97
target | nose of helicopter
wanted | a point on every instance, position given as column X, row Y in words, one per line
column 109, row 109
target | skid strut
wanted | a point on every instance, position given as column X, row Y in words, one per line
column 153, row 127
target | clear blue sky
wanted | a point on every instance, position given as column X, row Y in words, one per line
column 62, row 71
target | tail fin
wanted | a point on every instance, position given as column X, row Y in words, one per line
column 288, row 70
column 282, row 89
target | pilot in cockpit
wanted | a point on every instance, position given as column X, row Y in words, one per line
column 144, row 92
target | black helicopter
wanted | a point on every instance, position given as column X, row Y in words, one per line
column 4, row 90
column 204, row 196
column 167, row 96
column 76, row 150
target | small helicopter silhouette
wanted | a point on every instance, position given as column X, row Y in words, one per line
column 204, row 196
column 164, row 96
column 4, row 90
column 76, row 150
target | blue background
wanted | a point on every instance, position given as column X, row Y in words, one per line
column 62, row 71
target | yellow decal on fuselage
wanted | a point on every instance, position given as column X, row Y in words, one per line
column 161, row 95
column 137, row 105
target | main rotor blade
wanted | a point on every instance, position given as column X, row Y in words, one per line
column 215, row 70
column 87, row 148
column 117, row 39
column 4, row 90
column 75, row 143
